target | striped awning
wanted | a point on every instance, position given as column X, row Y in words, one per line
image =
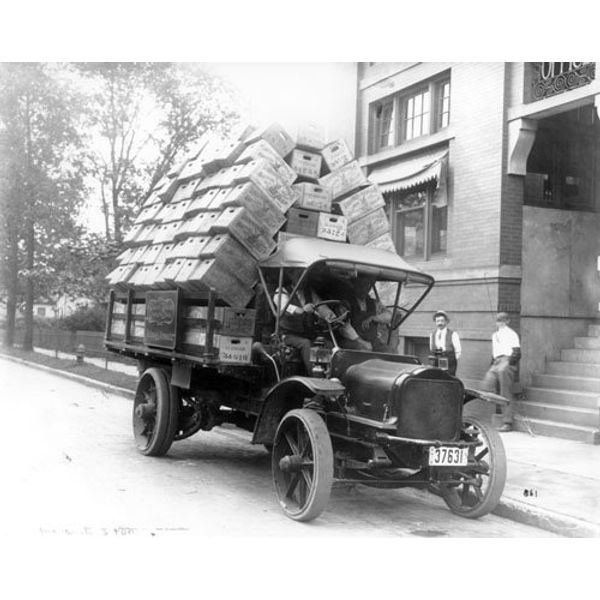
column 412, row 172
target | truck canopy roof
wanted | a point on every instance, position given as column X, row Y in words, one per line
column 307, row 252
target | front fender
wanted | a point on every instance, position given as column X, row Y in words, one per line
column 287, row 395
column 471, row 394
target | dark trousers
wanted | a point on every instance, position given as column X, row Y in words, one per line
column 499, row 379
column 301, row 344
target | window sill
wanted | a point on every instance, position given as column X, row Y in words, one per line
column 406, row 148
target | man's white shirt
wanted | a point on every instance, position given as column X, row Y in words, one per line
column 503, row 342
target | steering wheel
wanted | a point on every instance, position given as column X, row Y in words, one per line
column 337, row 321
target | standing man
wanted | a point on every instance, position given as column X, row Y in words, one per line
column 506, row 353
column 445, row 342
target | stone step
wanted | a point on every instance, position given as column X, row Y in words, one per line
column 566, row 382
column 592, row 343
column 579, row 355
column 573, row 368
column 594, row 330
column 570, row 415
column 587, row 435
column 588, row 400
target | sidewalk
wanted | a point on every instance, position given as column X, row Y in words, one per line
column 552, row 484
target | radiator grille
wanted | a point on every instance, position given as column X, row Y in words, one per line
column 429, row 408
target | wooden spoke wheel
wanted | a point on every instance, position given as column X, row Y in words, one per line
column 155, row 411
column 475, row 490
column 302, row 464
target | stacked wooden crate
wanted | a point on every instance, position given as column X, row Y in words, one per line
column 209, row 221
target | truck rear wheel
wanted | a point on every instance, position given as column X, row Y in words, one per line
column 302, row 464
column 475, row 490
column 155, row 411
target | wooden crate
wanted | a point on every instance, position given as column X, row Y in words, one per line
column 184, row 191
column 345, row 180
column 302, row 222
column 383, row 242
column 276, row 136
column 368, row 228
column 263, row 150
column 233, row 256
column 336, row 155
column 266, row 178
column 149, row 214
column 361, row 203
column 237, row 321
column 258, row 203
column 166, row 188
column 312, row 197
column 238, row 221
column 202, row 224
column 120, row 277
column 234, row 349
column 307, row 164
column 171, row 270
column 310, row 136
column 210, row 274
column 218, row 200
column 331, row 227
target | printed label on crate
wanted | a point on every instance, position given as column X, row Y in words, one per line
column 313, row 197
column 383, row 242
column 307, row 164
column 346, row 179
column 332, row 227
column 161, row 318
column 336, row 155
column 368, row 227
column 235, row 349
column 360, row 204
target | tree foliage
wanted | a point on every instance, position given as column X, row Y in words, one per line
column 43, row 184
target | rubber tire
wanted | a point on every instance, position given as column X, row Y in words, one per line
column 167, row 407
column 496, row 458
column 322, row 452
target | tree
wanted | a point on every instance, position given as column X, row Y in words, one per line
column 39, row 112
column 143, row 117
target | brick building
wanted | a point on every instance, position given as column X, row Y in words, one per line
column 491, row 174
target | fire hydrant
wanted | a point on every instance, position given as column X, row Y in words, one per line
column 80, row 353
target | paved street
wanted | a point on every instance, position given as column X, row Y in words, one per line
column 69, row 465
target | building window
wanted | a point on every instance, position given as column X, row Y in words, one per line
column 421, row 111
column 444, row 109
column 417, row 115
column 419, row 225
column 384, row 124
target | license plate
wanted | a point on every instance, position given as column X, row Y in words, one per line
column 448, row 456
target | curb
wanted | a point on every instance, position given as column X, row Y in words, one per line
column 107, row 387
column 545, row 519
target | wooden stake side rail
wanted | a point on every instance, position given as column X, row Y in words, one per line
column 169, row 348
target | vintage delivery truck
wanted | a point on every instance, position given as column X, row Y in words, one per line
column 375, row 418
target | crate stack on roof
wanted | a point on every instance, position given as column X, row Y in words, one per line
column 209, row 221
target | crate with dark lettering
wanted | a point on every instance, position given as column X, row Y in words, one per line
column 331, row 227
column 306, row 164
column 361, row 203
column 234, row 349
column 238, row 221
column 302, row 222
column 345, row 180
column 312, row 197
column 368, row 228
column 336, row 155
